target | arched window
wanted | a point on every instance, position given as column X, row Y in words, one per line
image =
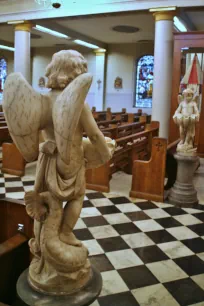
column 3, row 75
column 144, row 81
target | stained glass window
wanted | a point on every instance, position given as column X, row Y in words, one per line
column 144, row 81
column 3, row 75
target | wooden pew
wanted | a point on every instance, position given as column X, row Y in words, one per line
column 4, row 134
column 108, row 115
column 108, row 123
column 124, row 130
column 3, row 123
column 129, row 148
column 12, row 162
column 14, row 250
column 148, row 176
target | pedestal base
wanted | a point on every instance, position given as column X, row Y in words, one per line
column 83, row 297
column 183, row 193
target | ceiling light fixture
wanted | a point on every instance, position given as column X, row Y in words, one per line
column 7, row 48
column 163, row 9
column 15, row 21
column 86, row 44
column 46, row 3
column 51, row 32
column 179, row 25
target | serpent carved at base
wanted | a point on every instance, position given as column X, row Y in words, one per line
column 60, row 264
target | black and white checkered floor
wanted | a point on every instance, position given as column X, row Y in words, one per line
column 149, row 254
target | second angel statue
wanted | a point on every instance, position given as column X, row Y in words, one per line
column 60, row 264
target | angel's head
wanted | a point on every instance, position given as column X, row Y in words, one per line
column 65, row 66
column 188, row 94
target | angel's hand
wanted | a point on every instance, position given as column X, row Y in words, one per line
column 178, row 118
column 111, row 144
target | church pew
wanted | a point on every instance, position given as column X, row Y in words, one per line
column 140, row 144
column 12, row 162
column 14, row 259
column 14, row 250
column 124, row 129
column 108, row 115
column 4, row 134
column 108, row 123
column 12, row 213
column 128, row 149
column 3, row 123
column 148, row 176
column 171, row 164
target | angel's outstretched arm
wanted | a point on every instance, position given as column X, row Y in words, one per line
column 196, row 110
column 95, row 135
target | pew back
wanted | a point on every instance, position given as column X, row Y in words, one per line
column 14, row 250
column 148, row 176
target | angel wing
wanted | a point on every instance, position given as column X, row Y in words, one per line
column 66, row 113
column 22, row 107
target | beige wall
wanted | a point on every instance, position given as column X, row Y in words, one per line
column 41, row 58
column 121, row 62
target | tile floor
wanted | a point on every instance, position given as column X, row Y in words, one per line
column 148, row 253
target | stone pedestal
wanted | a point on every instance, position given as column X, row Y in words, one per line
column 84, row 297
column 183, row 192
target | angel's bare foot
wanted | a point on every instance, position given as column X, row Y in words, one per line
column 70, row 239
column 35, row 206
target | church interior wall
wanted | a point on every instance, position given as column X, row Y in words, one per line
column 41, row 58
column 121, row 62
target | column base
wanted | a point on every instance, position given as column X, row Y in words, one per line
column 183, row 193
column 84, row 297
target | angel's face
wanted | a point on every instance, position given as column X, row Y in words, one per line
column 189, row 97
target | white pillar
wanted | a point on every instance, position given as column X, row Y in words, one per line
column 188, row 61
column 22, row 56
column 100, row 79
column 163, row 61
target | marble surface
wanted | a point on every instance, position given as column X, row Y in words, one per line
column 83, row 297
column 169, row 261
column 60, row 264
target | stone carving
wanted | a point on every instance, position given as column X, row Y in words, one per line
column 41, row 82
column 60, row 265
column 186, row 116
column 118, row 84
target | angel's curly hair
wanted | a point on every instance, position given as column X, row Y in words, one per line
column 65, row 66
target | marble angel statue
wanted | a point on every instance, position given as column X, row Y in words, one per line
column 60, row 264
column 186, row 116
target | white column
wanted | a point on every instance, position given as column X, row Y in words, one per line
column 22, row 56
column 188, row 60
column 100, row 79
column 163, row 61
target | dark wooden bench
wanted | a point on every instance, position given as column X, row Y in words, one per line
column 14, row 250
column 119, row 131
column 149, row 176
column 129, row 148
